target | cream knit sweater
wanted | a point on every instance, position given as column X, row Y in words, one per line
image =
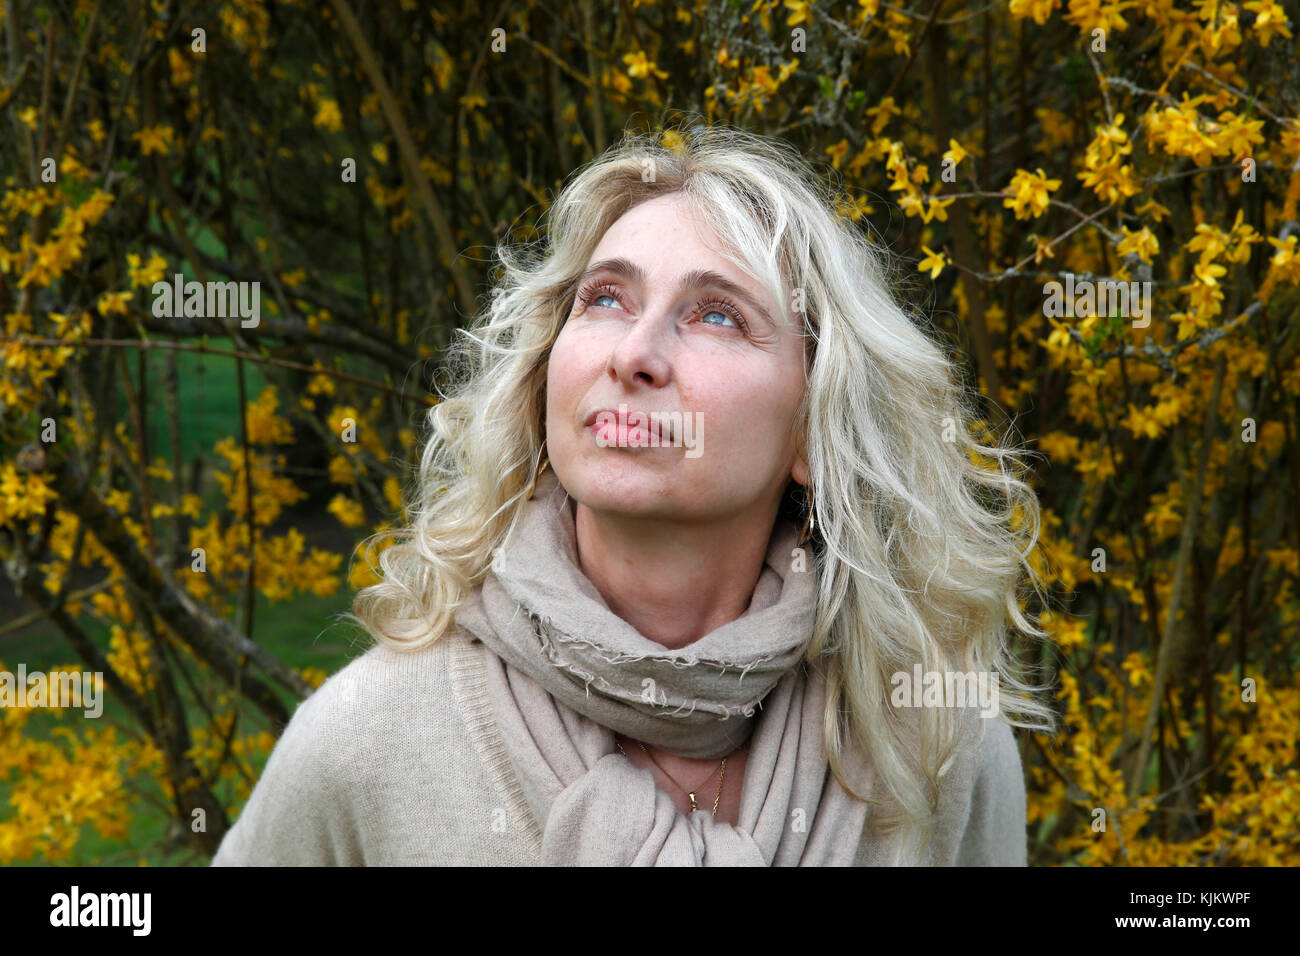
column 396, row 760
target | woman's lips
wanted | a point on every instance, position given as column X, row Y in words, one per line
column 612, row 432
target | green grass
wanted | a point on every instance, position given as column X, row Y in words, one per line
column 208, row 396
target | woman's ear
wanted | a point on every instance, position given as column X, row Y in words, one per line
column 799, row 468
column 799, row 472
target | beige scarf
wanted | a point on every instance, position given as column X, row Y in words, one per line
column 566, row 673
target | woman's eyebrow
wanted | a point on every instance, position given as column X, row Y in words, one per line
column 695, row 279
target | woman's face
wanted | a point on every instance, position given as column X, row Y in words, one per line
column 637, row 337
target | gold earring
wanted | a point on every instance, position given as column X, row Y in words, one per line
column 809, row 523
column 541, row 470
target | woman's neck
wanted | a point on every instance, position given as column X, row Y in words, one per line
column 673, row 584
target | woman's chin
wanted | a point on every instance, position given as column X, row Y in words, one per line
column 629, row 488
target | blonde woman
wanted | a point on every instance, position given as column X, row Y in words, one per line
column 699, row 562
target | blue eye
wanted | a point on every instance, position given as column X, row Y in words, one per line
column 723, row 307
column 721, row 313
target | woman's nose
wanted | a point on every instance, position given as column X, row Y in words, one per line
column 641, row 352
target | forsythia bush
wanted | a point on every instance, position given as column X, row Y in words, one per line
column 348, row 156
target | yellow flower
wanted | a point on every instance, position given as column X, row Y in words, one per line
column 933, row 262
column 1209, row 272
column 265, row 427
column 1040, row 10
column 181, row 67
column 340, row 470
column 837, row 151
column 22, row 499
column 1138, row 673
column 1154, row 209
column 902, row 39
column 1285, row 264
column 853, row 207
column 71, row 166
column 1270, row 19
column 1105, row 171
column 955, row 152
column 798, row 12
column 880, row 114
column 393, row 492
column 114, row 302
column 312, row 675
column 1210, row 241
column 1089, row 15
column 639, row 67
column 472, row 100
column 1069, row 632
column 1142, row 243
column 1141, row 422
column 155, row 139
column 1028, row 193
column 346, row 510
column 328, row 116
column 936, row 209
column 1042, row 248
column 148, row 274
column 320, row 385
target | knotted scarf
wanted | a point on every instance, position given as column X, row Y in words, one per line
column 565, row 673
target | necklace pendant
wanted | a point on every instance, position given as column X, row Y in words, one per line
column 694, row 805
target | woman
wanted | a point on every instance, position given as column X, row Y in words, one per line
column 698, row 514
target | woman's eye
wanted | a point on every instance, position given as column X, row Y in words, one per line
column 718, row 312
column 704, row 309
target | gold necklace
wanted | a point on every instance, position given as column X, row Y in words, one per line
column 689, row 793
